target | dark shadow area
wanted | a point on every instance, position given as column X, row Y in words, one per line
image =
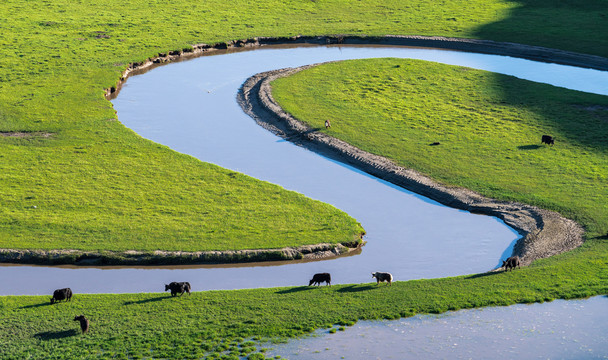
column 572, row 25
column 145, row 301
column 528, row 147
column 489, row 273
column 357, row 288
column 291, row 138
column 296, row 289
column 52, row 335
column 35, row 305
column 567, row 25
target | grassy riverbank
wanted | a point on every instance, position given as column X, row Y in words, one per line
column 215, row 322
column 489, row 128
column 79, row 179
column 76, row 178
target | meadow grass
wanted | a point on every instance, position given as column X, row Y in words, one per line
column 95, row 185
column 233, row 323
column 489, row 127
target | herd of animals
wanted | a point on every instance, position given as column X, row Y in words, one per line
column 184, row 286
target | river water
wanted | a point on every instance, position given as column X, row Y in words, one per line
column 190, row 106
column 560, row 329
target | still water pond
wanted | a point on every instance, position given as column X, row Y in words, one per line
column 190, row 106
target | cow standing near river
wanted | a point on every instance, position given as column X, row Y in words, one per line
column 61, row 294
column 383, row 276
column 178, row 287
column 319, row 278
column 511, row 263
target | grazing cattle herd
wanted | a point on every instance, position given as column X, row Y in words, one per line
column 184, row 286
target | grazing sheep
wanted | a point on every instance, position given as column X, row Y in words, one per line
column 178, row 287
column 61, row 294
column 319, row 278
column 84, row 323
column 511, row 263
column 383, row 276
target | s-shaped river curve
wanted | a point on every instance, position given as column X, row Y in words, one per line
column 190, row 106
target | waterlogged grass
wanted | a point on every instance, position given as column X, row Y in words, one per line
column 94, row 185
column 489, row 127
column 233, row 323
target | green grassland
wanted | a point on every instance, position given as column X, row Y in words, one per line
column 489, row 126
column 95, row 185
column 209, row 324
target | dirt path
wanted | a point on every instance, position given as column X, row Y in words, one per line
column 544, row 233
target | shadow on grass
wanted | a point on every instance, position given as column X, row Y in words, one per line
column 145, row 301
column 295, row 289
column 528, row 147
column 357, row 288
column 52, row 335
column 35, row 305
column 489, row 273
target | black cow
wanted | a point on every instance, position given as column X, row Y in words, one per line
column 383, row 276
column 511, row 263
column 319, row 278
column 61, row 294
column 178, row 287
column 547, row 139
column 84, row 323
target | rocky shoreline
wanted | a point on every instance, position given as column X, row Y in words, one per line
column 535, row 225
column 544, row 233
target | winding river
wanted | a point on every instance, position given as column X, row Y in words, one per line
column 190, row 106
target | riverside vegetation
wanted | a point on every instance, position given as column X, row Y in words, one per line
column 73, row 176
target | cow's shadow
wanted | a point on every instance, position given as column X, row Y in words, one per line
column 528, row 147
column 489, row 273
column 145, row 301
column 35, row 305
column 52, row 335
column 357, row 288
column 296, row 289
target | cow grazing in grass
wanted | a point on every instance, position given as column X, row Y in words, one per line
column 327, row 124
column 178, row 287
column 547, row 139
column 383, row 276
column 61, row 294
column 319, row 278
column 84, row 323
column 511, row 263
